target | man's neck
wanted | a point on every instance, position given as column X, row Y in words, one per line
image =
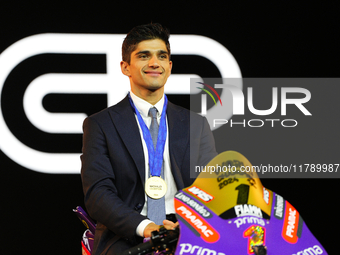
column 151, row 97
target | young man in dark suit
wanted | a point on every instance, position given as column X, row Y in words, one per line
column 121, row 162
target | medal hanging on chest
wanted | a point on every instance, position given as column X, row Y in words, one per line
column 155, row 187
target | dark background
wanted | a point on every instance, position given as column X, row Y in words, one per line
column 287, row 39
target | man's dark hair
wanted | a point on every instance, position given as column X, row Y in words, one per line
column 141, row 33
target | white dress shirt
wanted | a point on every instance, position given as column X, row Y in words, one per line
column 143, row 108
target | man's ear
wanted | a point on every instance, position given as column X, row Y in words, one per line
column 170, row 68
column 125, row 67
column 170, row 63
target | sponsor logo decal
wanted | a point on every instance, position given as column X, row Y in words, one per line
column 206, row 231
column 310, row 251
column 266, row 195
column 187, row 248
column 250, row 220
column 279, row 207
column 201, row 209
column 290, row 229
column 245, row 209
column 202, row 195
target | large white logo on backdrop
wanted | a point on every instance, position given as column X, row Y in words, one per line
column 108, row 44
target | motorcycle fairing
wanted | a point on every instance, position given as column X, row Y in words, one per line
column 263, row 217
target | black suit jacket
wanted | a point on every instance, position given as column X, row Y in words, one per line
column 113, row 168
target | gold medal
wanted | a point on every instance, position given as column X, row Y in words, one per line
column 155, row 187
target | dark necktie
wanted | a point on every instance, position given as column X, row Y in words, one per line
column 156, row 207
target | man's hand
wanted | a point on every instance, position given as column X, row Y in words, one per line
column 152, row 227
column 169, row 225
column 149, row 228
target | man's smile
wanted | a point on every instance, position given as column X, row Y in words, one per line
column 153, row 73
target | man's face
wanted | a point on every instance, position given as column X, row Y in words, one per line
column 149, row 67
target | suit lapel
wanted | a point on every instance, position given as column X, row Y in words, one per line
column 178, row 125
column 123, row 118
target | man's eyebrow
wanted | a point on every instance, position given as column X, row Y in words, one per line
column 163, row 52
column 148, row 52
column 143, row 52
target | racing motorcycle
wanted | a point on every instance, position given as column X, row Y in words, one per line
column 226, row 211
